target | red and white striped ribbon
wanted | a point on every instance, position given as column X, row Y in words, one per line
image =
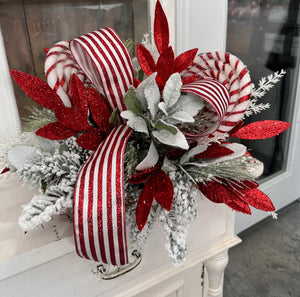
column 230, row 71
column 106, row 61
column 59, row 67
column 213, row 93
column 99, row 202
column 99, row 197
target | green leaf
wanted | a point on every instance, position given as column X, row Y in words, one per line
column 43, row 185
column 114, row 118
column 182, row 117
column 63, row 148
column 141, row 75
column 163, row 125
column 131, row 101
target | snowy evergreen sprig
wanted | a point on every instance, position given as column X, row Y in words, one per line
column 39, row 117
column 57, row 175
column 264, row 85
column 239, row 169
column 176, row 222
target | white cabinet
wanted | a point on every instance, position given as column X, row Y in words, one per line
column 55, row 270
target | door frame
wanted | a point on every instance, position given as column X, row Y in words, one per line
column 203, row 24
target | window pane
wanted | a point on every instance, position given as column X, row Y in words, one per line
column 264, row 34
column 29, row 26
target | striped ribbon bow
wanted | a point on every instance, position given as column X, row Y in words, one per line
column 99, row 198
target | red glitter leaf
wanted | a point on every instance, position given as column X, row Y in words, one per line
column 261, row 130
column 99, row 111
column 144, row 204
column 141, row 176
column 214, row 151
column 163, row 189
column 136, row 82
column 239, row 205
column 185, row 59
column 165, row 64
column 90, row 140
column 258, row 199
column 189, row 79
column 46, row 50
column 6, row 169
column 145, row 59
column 37, row 89
column 55, row 131
column 214, row 191
column 78, row 94
column 161, row 29
column 72, row 119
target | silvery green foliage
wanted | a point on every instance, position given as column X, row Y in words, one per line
column 176, row 222
column 148, row 114
column 56, row 174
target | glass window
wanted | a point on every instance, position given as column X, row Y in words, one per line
column 29, row 26
column 265, row 35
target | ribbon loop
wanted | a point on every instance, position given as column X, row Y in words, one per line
column 107, row 63
column 99, row 202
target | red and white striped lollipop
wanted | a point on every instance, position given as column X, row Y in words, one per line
column 229, row 94
column 59, row 67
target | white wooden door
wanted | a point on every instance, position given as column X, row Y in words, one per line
column 203, row 24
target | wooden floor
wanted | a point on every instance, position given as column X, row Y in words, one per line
column 267, row 262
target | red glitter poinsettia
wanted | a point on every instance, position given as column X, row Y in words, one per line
column 87, row 107
column 166, row 64
column 158, row 186
column 237, row 195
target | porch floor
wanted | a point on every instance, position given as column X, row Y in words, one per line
column 267, row 262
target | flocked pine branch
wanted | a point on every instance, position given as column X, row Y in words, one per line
column 38, row 118
column 264, row 85
column 177, row 220
column 57, row 175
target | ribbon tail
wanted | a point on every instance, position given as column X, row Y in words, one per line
column 99, row 202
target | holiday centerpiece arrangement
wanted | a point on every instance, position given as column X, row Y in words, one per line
column 130, row 141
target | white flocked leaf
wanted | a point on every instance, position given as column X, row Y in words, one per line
column 172, row 90
column 135, row 122
column 192, row 152
column 140, row 91
column 162, row 107
column 166, row 137
column 168, row 165
column 182, row 117
column 151, row 94
column 188, row 103
column 150, row 160
column 19, row 155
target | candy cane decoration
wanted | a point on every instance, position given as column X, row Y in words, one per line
column 229, row 71
column 59, row 67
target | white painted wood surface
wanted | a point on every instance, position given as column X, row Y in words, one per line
column 68, row 275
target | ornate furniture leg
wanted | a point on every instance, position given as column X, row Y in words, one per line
column 215, row 267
